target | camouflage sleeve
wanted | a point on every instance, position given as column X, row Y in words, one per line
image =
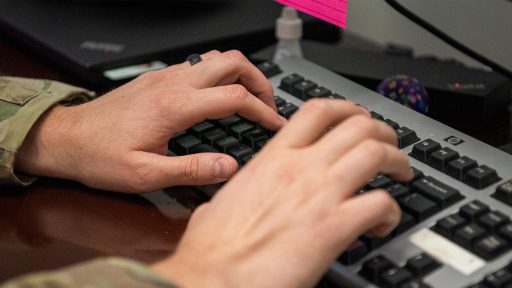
column 105, row 273
column 22, row 102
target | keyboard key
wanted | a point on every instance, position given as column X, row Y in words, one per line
column 473, row 210
column 301, row 89
column 379, row 181
column 377, row 116
column 227, row 122
column 415, row 283
column 373, row 268
column 290, row 80
column 270, row 69
column 287, row 110
column 448, row 225
column 478, row 285
column 279, row 101
column 251, row 137
column 468, row 235
column 406, row 223
column 394, row 277
column 459, row 167
column 504, row 192
column 423, row 149
column 406, row 137
column 493, row 220
column 417, row 174
column 375, row 242
column 481, row 177
column 490, row 247
column 437, row 191
column 418, row 206
column 198, row 129
column 260, row 144
column 354, row 252
column 506, row 232
column 440, row 158
column 184, row 144
column 211, row 136
column 202, row 148
column 392, row 123
column 498, row 279
column 247, row 158
column 398, row 190
column 238, row 130
column 422, row 265
column 336, row 96
column 238, row 152
column 318, row 92
column 224, row 144
column 178, row 135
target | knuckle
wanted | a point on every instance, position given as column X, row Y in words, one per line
column 365, row 125
column 235, row 56
column 237, row 92
column 317, row 106
column 214, row 52
column 374, row 148
column 191, row 168
column 140, row 176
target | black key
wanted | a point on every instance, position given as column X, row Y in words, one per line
column 417, row 173
column 392, row 123
column 418, row 206
column 260, row 144
column 287, row 110
column 270, row 69
column 448, row 225
column 229, row 121
column 301, row 89
column 422, row 150
column 459, row 167
column 406, row 137
column 290, row 80
column 406, row 223
column 354, row 252
column 394, row 277
column 398, row 190
column 506, row 232
column 253, row 136
column 440, row 158
column 379, row 181
column 279, row 101
column 198, row 129
column 373, row 268
column 211, row 136
column 238, row 152
column 504, row 192
column 238, row 130
column 422, row 265
column 437, row 191
column 377, row 116
column 468, row 235
column 481, row 177
column 490, row 247
column 478, row 285
column 184, row 144
column 202, row 148
column 336, row 96
column 473, row 210
column 178, row 135
column 415, row 283
column 318, row 92
column 247, row 158
column 493, row 220
column 375, row 242
column 224, row 144
column 498, row 279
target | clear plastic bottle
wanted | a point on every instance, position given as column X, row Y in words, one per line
column 289, row 34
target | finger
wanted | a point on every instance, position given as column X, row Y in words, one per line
column 375, row 212
column 224, row 101
column 197, row 169
column 229, row 68
column 185, row 65
column 313, row 119
column 366, row 160
column 352, row 132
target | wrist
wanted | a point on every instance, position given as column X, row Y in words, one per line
column 44, row 150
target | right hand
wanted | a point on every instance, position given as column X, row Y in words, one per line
column 292, row 210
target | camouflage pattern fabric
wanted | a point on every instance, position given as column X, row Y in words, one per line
column 22, row 102
column 103, row 273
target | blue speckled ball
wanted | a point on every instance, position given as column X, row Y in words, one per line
column 405, row 90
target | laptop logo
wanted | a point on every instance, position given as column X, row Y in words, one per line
column 102, row 47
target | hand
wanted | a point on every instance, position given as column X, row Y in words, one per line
column 119, row 141
column 290, row 212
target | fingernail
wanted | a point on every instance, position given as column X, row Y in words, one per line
column 222, row 168
column 284, row 120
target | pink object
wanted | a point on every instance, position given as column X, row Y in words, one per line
column 332, row 11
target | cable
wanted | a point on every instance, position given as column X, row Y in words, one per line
column 452, row 42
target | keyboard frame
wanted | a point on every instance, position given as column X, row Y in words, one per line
column 400, row 249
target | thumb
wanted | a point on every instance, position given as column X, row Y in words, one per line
column 195, row 169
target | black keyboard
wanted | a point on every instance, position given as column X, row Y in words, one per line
column 455, row 230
